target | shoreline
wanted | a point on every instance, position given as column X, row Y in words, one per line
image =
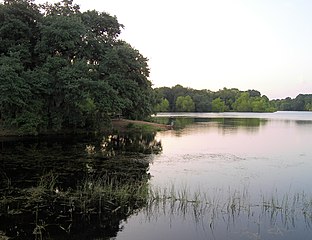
column 124, row 125
column 120, row 125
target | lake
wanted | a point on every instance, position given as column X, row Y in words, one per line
column 251, row 173
column 214, row 176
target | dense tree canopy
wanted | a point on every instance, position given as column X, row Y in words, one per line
column 162, row 106
column 218, row 105
column 231, row 100
column 185, row 104
column 303, row 102
column 63, row 68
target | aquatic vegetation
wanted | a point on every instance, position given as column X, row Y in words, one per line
column 209, row 208
column 50, row 209
column 90, row 188
column 52, row 190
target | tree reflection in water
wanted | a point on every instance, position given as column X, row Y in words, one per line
column 78, row 188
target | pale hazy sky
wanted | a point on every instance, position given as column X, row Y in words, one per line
column 210, row 44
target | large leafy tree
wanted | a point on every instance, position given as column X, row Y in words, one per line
column 162, row 106
column 63, row 68
column 229, row 96
column 126, row 70
column 202, row 100
column 218, row 105
column 185, row 104
column 19, row 30
column 243, row 103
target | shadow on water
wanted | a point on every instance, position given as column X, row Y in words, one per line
column 72, row 188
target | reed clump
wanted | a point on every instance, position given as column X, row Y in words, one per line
column 95, row 200
column 231, row 204
column 108, row 195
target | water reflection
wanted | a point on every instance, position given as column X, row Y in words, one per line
column 142, row 143
column 266, row 157
column 303, row 122
column 73, row 188
column 223, row 215
column 234, row 125
column 83, row 188
column 226, row 125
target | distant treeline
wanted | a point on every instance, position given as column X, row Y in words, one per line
column 181, row 99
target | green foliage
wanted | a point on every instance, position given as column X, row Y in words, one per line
column 163, row 106
column 185, row 104
column 126, row 70
column 218, row 105
column 66, row 69
column 143, row 128
column 171, row 94
column 308, row 107
column 61, row 36
column 229, row 96
column 302, row 102
column 13, row 90
column 242, row 103
column 261, row 104
column 202, row 100
column 19, row 23
column 220, row 101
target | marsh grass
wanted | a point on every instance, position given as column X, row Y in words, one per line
column 211, row 207
column 48, row 207
column 101, row 194
column 140, row 127
column 107, row 197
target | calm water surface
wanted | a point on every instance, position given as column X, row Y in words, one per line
column 251, row 175
column 215, row 176
column 72, row 187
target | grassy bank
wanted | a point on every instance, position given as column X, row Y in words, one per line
column 125, row 125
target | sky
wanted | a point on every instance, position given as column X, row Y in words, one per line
column 211, row 44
